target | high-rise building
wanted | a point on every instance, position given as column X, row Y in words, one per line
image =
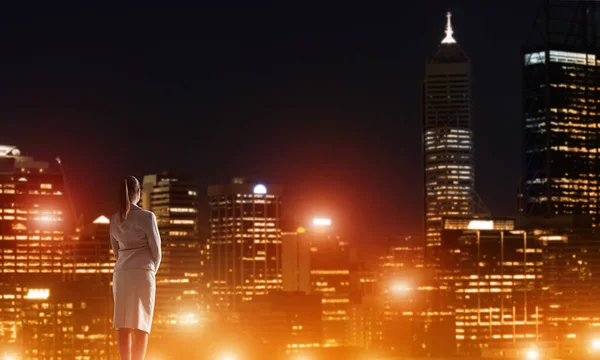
column 571, row 283
column 295, row 264
column 245, row 242
column 495, row 275
column 561, row 112
column 282, row 322
column 34, row 214
column 318, row 262
column 174, row 201
column 447, row 138
column 89, row 264
column 416, row 319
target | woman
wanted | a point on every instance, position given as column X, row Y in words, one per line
column 135, row 242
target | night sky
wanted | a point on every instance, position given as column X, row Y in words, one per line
column 324, row 99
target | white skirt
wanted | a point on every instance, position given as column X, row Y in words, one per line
column 134, row 291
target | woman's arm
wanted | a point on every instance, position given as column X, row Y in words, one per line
column 115, row 246
column 154, row 242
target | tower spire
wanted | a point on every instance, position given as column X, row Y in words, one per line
column 449, row 39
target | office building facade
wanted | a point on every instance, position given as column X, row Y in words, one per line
column 571, row 283
column 34, row 218
column 495, row 275
column 282, row 322
column 561, row 115
column 245, row 242
column 174, row 201
column 447, row 138
column 317, row 261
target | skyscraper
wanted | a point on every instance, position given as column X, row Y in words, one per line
column 317, row 261
column 561, row 115
column 33, row 221
column 89, row 264
column 173, row 199
column 447, row 137
column 245, row 241
column 494, row 273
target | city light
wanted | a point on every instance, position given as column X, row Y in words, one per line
column 101, row 220
column 481, row 225
column 9, row 357
column 449, row 39
column 260, row 189
column 532, row 354
column 228, row 357
column 553, row 238
column 596, row 345
column 322, row 222
column 37, row 294
column 301, row 357
column 188, row 319
column 6, row 150
column 400, row 288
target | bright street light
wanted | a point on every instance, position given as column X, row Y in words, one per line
column 228, row 357
column 400, row 288
column 532, row 354
column 596, row 345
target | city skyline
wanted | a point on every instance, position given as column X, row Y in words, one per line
column 358, row 106
column 309, row 189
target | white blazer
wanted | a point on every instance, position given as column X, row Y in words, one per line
column 136, row 242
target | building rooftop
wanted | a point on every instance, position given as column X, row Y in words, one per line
column 449, row 51
column 9, row 150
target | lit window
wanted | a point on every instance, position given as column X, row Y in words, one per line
column 182, row 221
column 46, row 186
column 183, row 210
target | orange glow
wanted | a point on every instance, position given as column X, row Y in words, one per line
column 596, row 345
column 400, row 288
column 532, row 354
column 101, row 220
column 38, row 294
column 322, row 222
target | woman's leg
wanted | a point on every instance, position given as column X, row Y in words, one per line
column 125, row 343
column 140, row 344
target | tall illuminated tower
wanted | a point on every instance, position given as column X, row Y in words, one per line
column 33, row 221
column 245, row 241
column 561, row 115
column 173, row 199
column 447, row 137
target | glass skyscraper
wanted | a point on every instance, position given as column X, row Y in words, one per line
column 245, row 242
column 561, row 115
column 34, row 213
column 173, row 199
column 447, row 137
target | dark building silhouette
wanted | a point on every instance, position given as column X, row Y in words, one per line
column 317, row 261
column 179, row 281
column 283, row 321
column 561, row 115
